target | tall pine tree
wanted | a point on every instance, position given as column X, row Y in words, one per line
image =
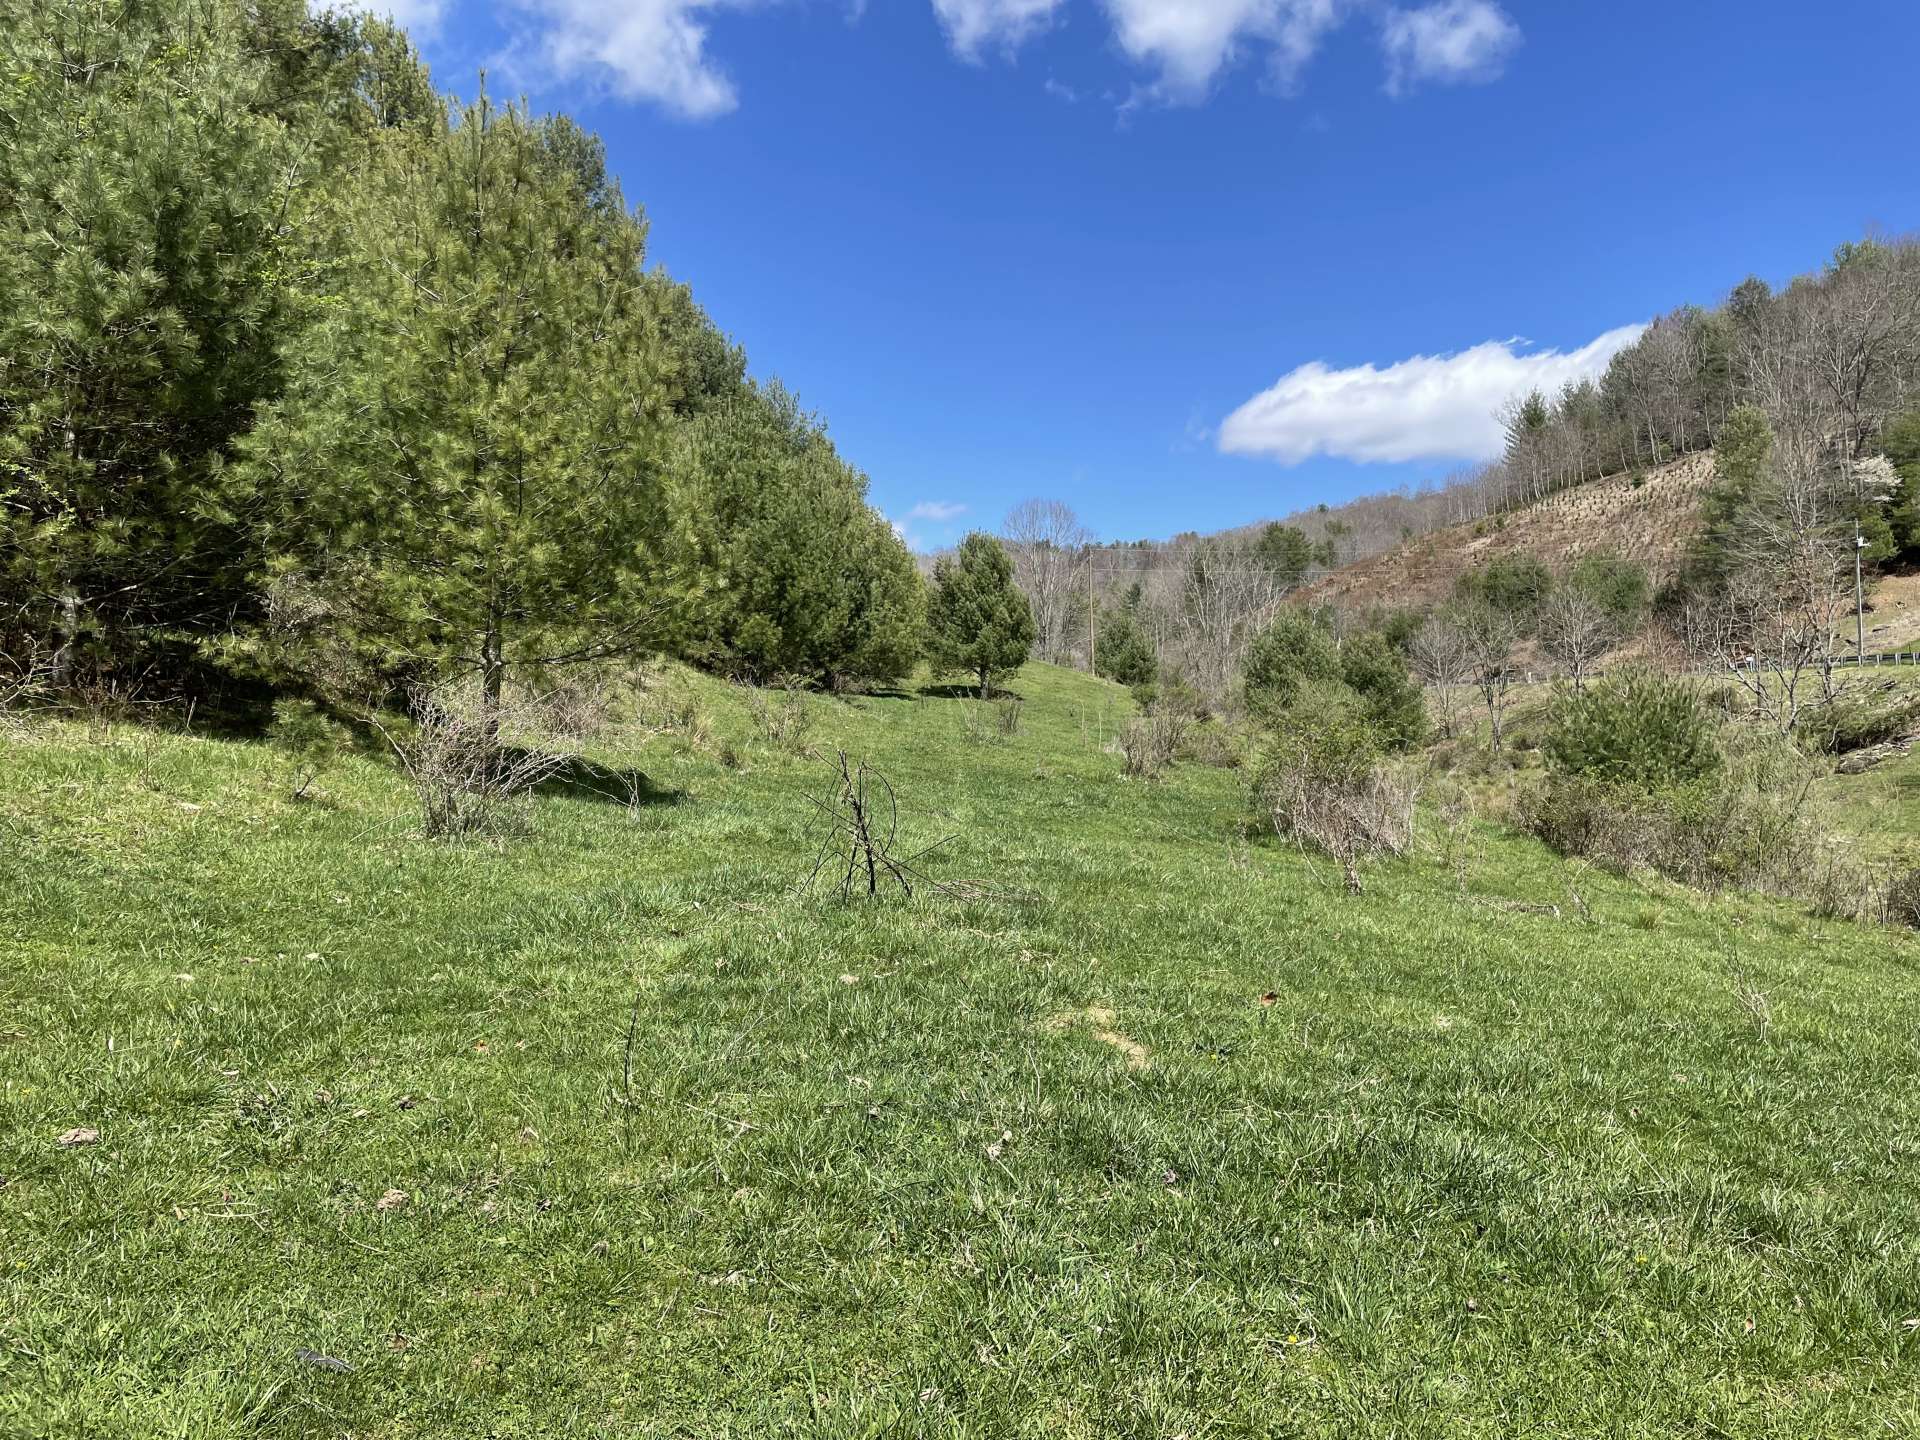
column 467, row 458
column 978, row 622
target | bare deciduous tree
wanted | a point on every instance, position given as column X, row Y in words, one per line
column 1576, row 631
column 1441, row 659
column 1490, row 635
column 1050, row 548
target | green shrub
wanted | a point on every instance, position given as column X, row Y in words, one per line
column 1124, row 651
column 1853, row 722
column 1375, row 669
column 1513, row 584
column 1294, row 652
column 1296, row 656
column 1738, row 823
column 1634, row 729
column 1324, row 781
column 310, row 738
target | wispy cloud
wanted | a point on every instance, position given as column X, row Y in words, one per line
column 1452, row 42
column 976, row 26
column 657, row 51
column 1424, row 407
column 419, row 18
column 1189, row 42
column 939, row 511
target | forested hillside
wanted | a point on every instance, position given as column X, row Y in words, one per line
column 1733, row 458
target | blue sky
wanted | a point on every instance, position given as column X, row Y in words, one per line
column 1178, row 262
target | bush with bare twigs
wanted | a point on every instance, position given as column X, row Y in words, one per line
column 26, row 688
column 1151, row 742
column 474, row 762
column 1330, row 787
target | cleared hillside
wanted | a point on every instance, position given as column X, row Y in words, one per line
column 1650, row 521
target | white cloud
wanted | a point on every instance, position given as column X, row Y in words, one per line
column 1190, row 41
column 1422, row 408
column 419, row 18
column 974, row 25
column 642, row 49
column 1450, row 42
column 939, row 510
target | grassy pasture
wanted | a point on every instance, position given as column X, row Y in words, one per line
column 609, row 1131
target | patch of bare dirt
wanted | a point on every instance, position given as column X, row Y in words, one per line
column 1098, row 1021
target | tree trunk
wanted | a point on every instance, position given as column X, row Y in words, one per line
column 983, row 682
column 493, row 677
column 68, row 630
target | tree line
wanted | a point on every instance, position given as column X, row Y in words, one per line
column 1810, row 397
column 314, row 380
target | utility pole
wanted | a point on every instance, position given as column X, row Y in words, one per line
column 1859, row 602
column 1091, row 669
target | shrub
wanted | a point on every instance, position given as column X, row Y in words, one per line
column 1210, row 743
column 1293, row 652
column 309, row 737
column 1512, row 584
column 1297, row 654
column 1854, row 722
column 1328, row 785
column 1149, row 743
column 1902, row 898
column 469, row 776
column 1123, row 650
column 1741, row 824
column 782, row 716
column 1375, row 669
column 1634, row 729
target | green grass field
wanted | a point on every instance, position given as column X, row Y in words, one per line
column 1494, row 1160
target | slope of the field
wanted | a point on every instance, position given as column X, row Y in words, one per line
column 1650, row 522
column 309, row 1126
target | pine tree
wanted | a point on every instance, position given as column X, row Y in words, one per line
column 797, row 576
column 158, row 165
column 978, row 622
column 1123, row 651
column 467, row 456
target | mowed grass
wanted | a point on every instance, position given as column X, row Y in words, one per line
column 1041, row 1164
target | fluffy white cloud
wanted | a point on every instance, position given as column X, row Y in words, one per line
column 1423, row 408
column 643, row 49
column 1191, row 41
column 1450, row 42
column 937, row 510
column 973, row 26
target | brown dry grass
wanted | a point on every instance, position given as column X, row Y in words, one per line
column 1650, row 523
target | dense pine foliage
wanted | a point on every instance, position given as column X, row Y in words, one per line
column 310, row 376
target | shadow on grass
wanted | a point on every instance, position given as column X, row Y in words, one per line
column 579, row 778
column 966, row 692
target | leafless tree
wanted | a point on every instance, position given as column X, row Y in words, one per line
column 1049, row 547
column 1575, row 631
column 1490, row 635
column 1442, row 661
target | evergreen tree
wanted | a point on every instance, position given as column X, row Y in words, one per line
column 1122, row 649
column 465, row 463
column 1286, row 552
column 796, row 574
column 978, row 622
column 1742, row 463
column 158, row 163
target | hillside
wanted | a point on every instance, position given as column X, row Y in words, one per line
column 314, row 1127
column 1650, row 522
